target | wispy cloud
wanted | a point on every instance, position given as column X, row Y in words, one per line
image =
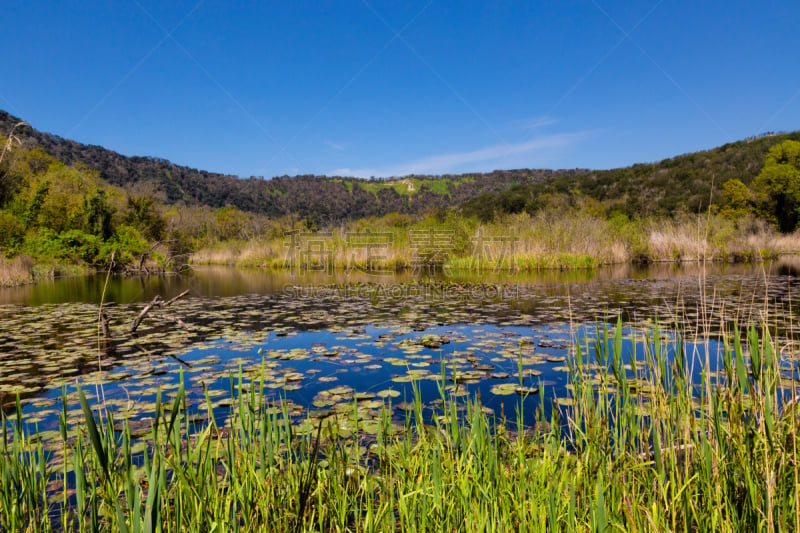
column 533, row 123
column 450, row 162
column 333, row 145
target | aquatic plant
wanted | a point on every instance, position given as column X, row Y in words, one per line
column 637, row 445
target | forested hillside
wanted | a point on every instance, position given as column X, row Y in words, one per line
column 679, row 184
column 676, row 185
column 325, row 199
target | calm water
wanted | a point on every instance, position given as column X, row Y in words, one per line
column 318, row 340
column 227, row 281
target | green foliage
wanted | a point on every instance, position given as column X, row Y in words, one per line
column 682, row 183
column 12, row 233
column 73, row 246
column 778, row 185
column 229, row 223
column 663, row 189
column 62, row 215
column 44, row 244
column 64, row 206
column 11, row 180
column 309, row 224
column 372, row 186
column 32, row 209
column 78, row 246
column 459, row 228
column 127, row 243
column 141, row 214
column 54, row 211
column 438, row 186
column 633, row 234
column 36, row 160
column 396, row 220
column 487, row 206
column 99, row 215
column 737, row 199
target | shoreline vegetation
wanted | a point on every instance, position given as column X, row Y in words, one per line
column 669, row 243
column 518, row 243
column 636, row 445
column 568, row 240
column 515, row 243
column 64, row 219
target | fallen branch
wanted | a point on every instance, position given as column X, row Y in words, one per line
column 162, row 269
column 178, row 359
column 157, row 302
column 181, row 323
column 173, row 299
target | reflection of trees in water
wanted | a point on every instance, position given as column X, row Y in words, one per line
column 42, row 342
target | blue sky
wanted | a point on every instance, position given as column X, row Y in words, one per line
column 371, row 88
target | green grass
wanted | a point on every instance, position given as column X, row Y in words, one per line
column 349, row 185
column 523, row 263
column 402, row 187
column 637, row 448
column 440, row 186
column 372, row 187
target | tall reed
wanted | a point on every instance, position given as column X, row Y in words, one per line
column 636, row 446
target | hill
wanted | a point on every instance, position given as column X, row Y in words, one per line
column 666, row 188
column 678, row 184
column 325, row 199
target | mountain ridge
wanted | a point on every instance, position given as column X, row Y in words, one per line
column 684, row 182
column 325, row 198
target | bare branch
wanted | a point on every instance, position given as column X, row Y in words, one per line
column 157, row 302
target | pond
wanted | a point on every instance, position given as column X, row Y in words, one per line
column 317, row 343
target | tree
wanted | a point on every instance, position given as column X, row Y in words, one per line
column 230, row 222
column 142, row 215
column 737, row 198
column 32, row 211
column 10, row 180
column 778, row 185
column 99, row 215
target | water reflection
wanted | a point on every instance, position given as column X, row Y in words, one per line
column 221, row 281
column 49, row 332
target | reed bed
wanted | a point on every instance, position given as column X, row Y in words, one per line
column 569, row 239
column 22, row 269
column 637, row 445
column 15, row 271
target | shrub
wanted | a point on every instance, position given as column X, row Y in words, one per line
column 12, row 233
column 127, row 244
